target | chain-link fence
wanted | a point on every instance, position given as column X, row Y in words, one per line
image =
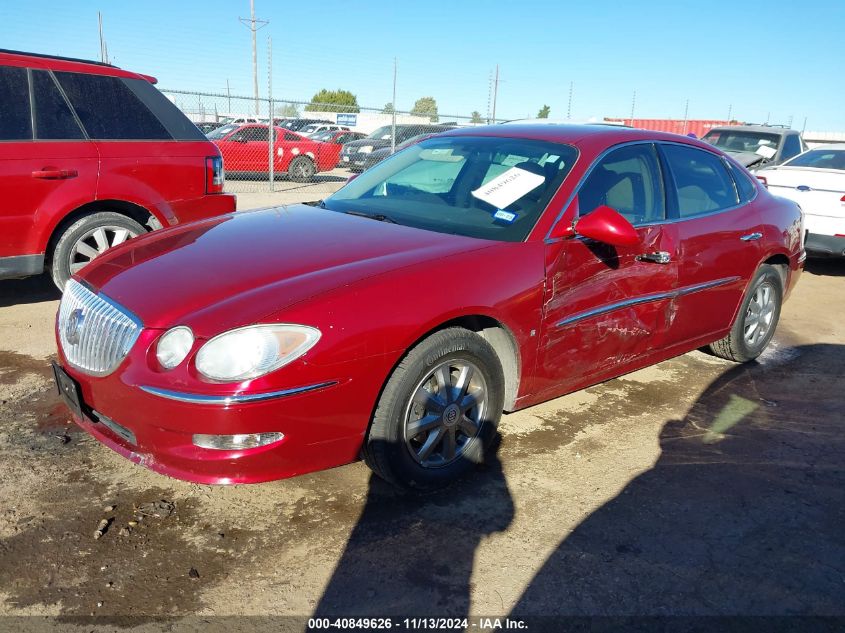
column 311, row 149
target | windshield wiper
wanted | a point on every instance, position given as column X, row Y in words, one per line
column 381, row 217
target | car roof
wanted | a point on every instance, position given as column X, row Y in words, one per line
column 837, row 147
column 770, row 129
column 66, row 64
column 575, row 134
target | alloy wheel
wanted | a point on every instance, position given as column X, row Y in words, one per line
column 759, row 315
column 95, row 242
column 445, row 413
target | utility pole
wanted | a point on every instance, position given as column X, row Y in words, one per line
column 569, row 105
column 489, row 94
column 633, row 106
column 253, row 25
column 789, row 122
column 104, row 51
column 228, row 96
column 686, row 115
column 495, row 92
column 730, row 107
column 804, row 127
column 393, row 125
column 271, row 124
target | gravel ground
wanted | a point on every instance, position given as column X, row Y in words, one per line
column 694, row 487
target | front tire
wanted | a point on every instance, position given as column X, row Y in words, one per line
column 756, row 320
column 438, row 412
column 88, row 238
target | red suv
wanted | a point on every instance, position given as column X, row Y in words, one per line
column 90, row 156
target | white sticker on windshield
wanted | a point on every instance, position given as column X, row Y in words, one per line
column 765, row 151
column 509, row 187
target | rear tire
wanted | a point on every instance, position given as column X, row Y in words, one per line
column 302, row 169
column 88, row 238
column 438, row 412
column 756, row 319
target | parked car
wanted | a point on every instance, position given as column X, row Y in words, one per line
column 479, row 270
column 241, row 119
column 207, row 126
column 93, row 155
column 338, row 137
column 378, row 155
column 354, row 154
column 245, row 152
column 756, row 146
column 314, row 128
column 816, row 181
column 295, row 125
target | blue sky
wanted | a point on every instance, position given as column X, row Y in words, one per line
column 774, row 59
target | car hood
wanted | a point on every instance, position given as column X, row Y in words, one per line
column 747, row 159
column 237, row 269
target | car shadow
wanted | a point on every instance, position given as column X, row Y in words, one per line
column 828, row 267
column 742, row 514
column 30, row 290
column 413, row 554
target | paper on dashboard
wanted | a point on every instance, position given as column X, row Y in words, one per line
column 508, row 187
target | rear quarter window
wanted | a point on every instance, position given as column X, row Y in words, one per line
column 109, row 110
column 15, row 114
column 745, row 188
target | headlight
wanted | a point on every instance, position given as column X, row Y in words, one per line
column 174, row 346
column 253, row 351
column 366, row 149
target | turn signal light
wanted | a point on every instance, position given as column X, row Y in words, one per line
column 214, row 174
column 238, row 442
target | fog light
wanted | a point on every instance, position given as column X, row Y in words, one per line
column 236, row 442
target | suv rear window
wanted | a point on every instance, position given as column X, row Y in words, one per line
column 53, row 118
column 109, row 110
column 15, row 117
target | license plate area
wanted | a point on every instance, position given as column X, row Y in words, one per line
column 69, row 390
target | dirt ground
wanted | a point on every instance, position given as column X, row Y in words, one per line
column 695, row 487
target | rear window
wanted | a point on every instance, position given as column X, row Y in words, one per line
column 701, row 179
column 820, row 159
column 109, row 110
column 745, row 188
column 53, row 117
column 15, row 115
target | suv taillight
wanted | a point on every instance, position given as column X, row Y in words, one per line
column 214, row 174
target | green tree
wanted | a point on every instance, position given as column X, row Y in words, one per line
column 426, row 106
column 388, row 108
column 290, row 110
column 333, row 101
column 476, row 117
column 544, row 112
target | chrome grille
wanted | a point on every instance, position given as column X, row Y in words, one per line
column 95, row 332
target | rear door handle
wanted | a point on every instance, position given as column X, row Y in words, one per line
column 55, row 174
column 660, row 257
column 751, row 237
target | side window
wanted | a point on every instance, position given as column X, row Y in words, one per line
column 701, row 180
column 254, row 134
column 628, row 180
column 791, row 146
column 291, row 137
column 15, row 115
column 109, row 110
column 53, row 118
column 744, row 186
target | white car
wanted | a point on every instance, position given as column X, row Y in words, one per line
column 316, row 128
column 816, row 181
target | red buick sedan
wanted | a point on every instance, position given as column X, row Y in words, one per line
column 479, row 271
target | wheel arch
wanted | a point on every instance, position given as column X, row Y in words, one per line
column 141, row 215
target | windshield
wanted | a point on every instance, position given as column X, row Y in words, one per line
column 744, row 141
column 486, row 187
column 382, row 133
column 222, row 131
column 820, row 159
column 322, row 136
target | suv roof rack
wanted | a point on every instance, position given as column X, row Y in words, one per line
column 58, row 57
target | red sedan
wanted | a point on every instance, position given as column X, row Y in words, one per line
column 478, row 271
column 245, row 150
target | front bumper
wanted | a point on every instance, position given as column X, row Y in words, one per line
column 824, row 245
column 323, row 426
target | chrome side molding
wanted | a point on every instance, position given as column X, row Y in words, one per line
column 225, row 400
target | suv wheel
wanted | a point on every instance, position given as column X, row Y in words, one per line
column 87, row 238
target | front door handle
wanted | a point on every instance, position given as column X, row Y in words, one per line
column 751, row 237
column 48, row 173
column 660, row 257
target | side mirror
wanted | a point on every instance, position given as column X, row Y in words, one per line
column 608, row 226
